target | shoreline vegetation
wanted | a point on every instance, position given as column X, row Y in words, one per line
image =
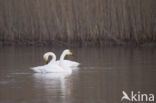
column 57, row 43
column 78, row 22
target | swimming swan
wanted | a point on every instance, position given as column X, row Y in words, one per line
column 61, row 62
column 51, row 68
column 56, row 66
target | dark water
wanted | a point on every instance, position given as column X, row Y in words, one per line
column 103, row 75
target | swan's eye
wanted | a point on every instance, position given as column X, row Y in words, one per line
column 70, row 53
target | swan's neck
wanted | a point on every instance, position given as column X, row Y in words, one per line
column 53, row 57
column 62, row 59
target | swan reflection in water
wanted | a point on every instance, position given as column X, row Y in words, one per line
column 53, row 85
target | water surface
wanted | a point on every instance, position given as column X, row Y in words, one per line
column 103, row 75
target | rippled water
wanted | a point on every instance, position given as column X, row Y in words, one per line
column 103, row 75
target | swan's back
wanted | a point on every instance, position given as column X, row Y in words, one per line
column 68, row 63
column 38, row 69
column 51, row 68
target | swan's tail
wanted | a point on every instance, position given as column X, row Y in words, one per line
column 75, row 64
column 38, row 69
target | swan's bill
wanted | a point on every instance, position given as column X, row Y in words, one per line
column 70, row 53
column 46, row 61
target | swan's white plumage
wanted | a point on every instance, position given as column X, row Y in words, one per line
column 51, row 68
column 69, row 63
column 56, row 66
column 62, row 62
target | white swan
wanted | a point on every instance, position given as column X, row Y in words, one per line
column 51, row 68
column 61, row 62
column 56, row 66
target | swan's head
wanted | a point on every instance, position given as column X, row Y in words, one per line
column 46, row 56
column 68, row 52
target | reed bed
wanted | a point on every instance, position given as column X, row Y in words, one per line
column 78, row 21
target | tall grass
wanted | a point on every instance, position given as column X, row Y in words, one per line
column 78, row 20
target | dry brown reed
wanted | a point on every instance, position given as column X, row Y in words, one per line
column 78, row 20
